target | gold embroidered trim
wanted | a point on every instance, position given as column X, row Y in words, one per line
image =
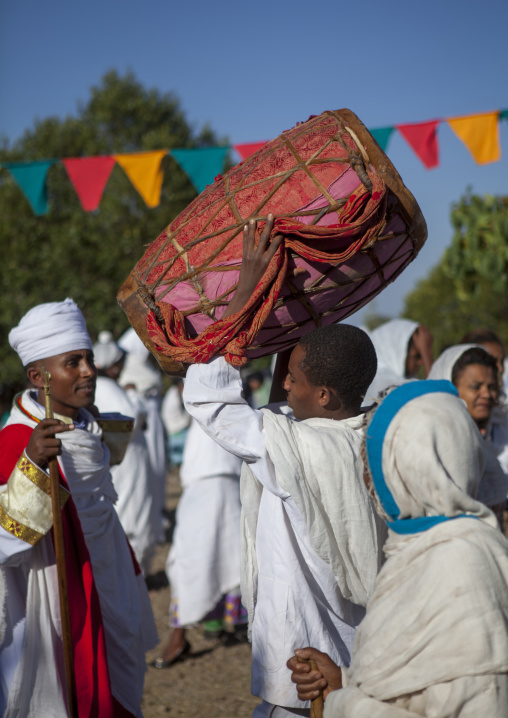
column 39, row 478
column 19, row 530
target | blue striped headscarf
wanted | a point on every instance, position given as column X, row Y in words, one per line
column 376, row 434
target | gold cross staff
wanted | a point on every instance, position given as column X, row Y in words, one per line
column 54, row 478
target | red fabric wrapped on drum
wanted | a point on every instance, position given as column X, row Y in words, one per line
column 350, row 227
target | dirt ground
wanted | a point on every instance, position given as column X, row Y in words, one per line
column 214, row 682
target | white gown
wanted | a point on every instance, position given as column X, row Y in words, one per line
column 292, row 594
column 137, row 488
column 204, row 561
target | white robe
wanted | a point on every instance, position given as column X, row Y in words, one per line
column 30, row 571
column 303, row 499
column 146, row 379
column 138, row 501
column 204, row 561
column 173, row 412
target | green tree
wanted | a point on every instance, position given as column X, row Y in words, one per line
column 468, row 289
column 87, row 256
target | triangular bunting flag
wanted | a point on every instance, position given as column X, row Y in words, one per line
column 382, row 136
column 247, row 149
column 201, row 165
column 145, row 172
column 503, row 115
column 31, row 178
column 422, row 138
column 480, row 134
column 89, row 176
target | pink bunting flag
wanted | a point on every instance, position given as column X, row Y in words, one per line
column 422, row 138
column 247, row 149
column 89, row 176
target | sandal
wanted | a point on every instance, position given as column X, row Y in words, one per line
column 182, row 654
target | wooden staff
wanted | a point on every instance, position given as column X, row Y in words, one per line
column 54, row 478
column 316, row 704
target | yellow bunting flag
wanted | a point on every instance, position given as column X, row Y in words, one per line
column 145, row 172
column 480, row 134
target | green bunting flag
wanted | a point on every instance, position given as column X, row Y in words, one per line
column 201, row 165
column 31, row 179
column 382, row 136
column 503, row 115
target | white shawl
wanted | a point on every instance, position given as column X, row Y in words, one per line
column 439, row 610
column 317, row 462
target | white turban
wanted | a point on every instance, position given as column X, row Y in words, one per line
column 132, row 344
column 50, row 329
column 106, row 351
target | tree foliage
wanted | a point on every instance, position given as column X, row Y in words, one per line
column 87, row 256
column 468, row 289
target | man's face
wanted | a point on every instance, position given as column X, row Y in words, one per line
column 413, row 361
column 73, row 377
column 302, row 396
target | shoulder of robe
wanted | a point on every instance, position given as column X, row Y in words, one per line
column 13, row 441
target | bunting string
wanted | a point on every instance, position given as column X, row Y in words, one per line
column 89, row 175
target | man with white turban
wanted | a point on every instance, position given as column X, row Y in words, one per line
column 434, row 641
column 138, row 504
column 402, row 347
column 110, row 615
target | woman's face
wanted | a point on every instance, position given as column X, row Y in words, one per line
column 477, row 386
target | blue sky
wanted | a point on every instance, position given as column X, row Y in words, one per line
column 254, row 69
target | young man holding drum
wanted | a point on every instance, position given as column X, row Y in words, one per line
column 310, row 542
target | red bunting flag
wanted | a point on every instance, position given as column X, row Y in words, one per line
column 89, row 176
column 248, row 149
column 422, row 138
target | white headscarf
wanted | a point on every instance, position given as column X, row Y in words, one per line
column 443, row 366
column 50, row 329
column 106, row 351
column 391, row 342
column 421, row 467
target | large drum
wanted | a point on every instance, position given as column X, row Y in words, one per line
column 350, row 227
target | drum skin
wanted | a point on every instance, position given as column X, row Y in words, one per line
column 350, row 228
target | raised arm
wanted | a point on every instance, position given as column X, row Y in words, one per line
column 213, row 392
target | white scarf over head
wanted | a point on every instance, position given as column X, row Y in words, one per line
column 391, row 342
column 50, row 329
column 443, row 366
column 439, row 610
